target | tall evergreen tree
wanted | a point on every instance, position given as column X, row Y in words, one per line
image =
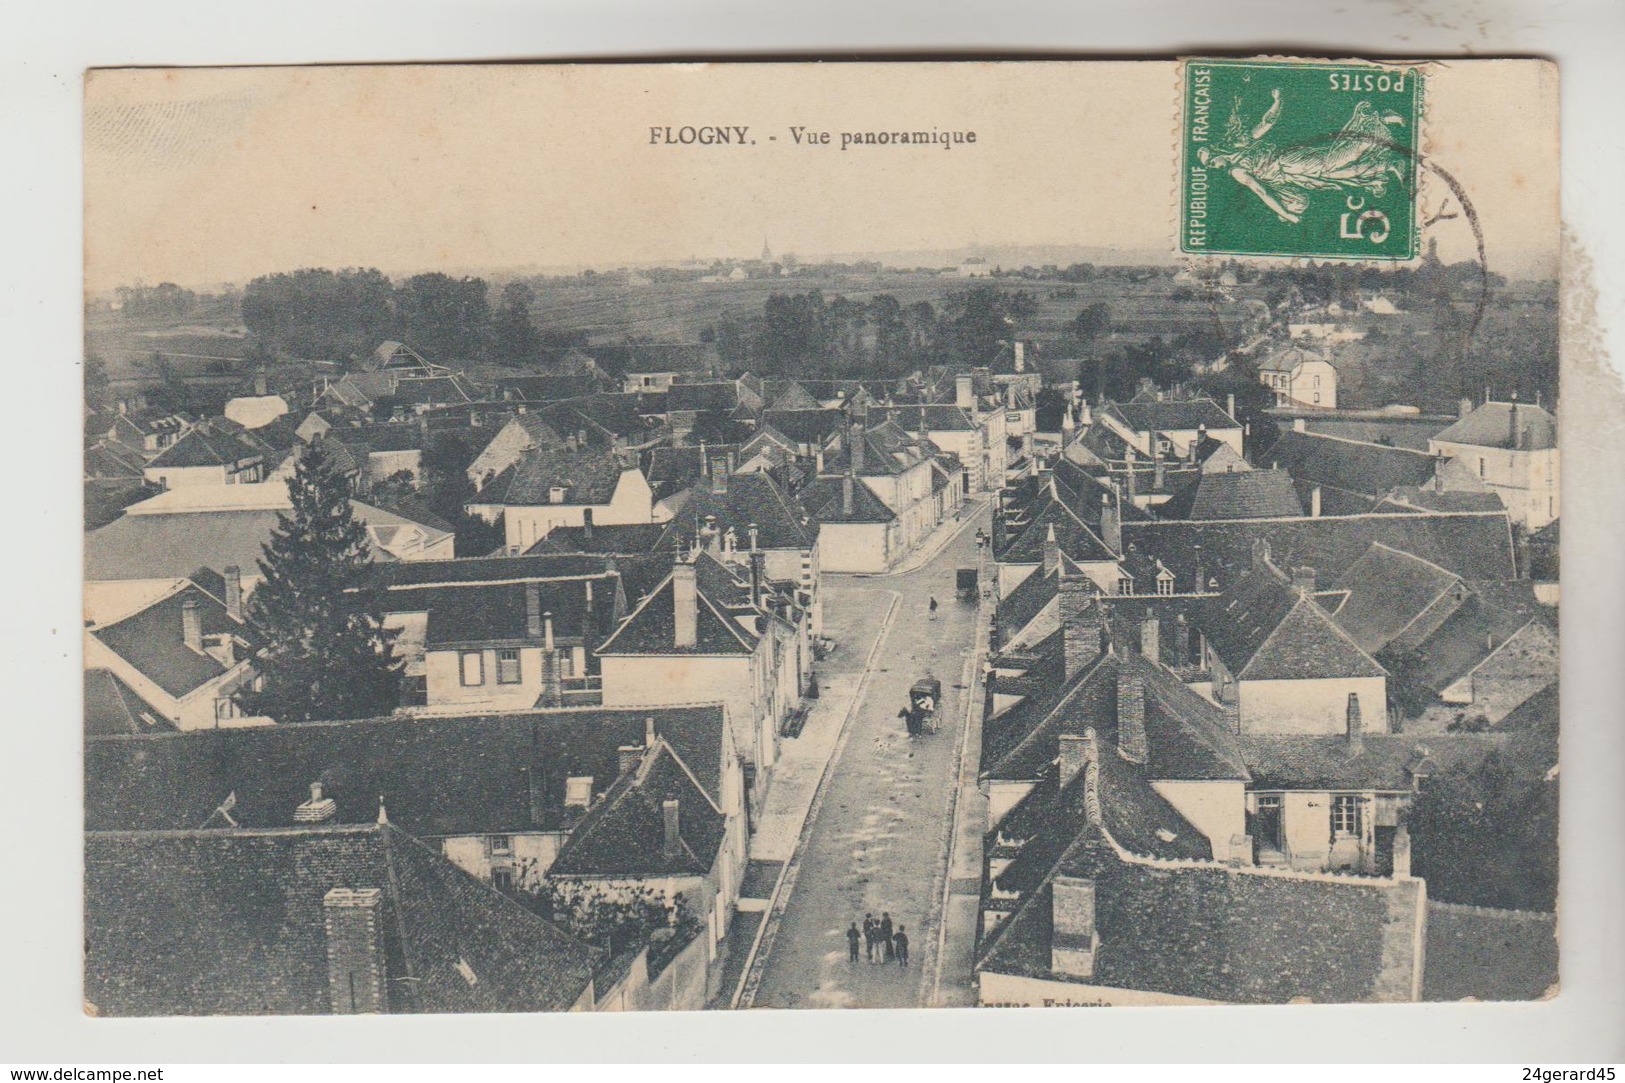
column 326, row 653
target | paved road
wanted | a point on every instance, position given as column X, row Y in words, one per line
column 878, row 838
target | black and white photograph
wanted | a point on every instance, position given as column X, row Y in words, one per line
column 722, row 536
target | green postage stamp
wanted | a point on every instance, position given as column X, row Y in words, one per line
column 1286, row 158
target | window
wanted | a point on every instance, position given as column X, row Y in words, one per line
column 578, row 791
column 1125, row 586
column 555, row 495
column 1317, row 398
column 473, row 668
column 1317, row 384
column 1346, row 814
column 1165, row 586
column 1481, row 466
column 501, row 845
column 224, row 708
column 502, row 880
column 508, row 667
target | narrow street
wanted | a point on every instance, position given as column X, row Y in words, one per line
column 878, row 834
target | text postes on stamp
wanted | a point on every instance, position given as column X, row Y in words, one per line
column 1287, row 158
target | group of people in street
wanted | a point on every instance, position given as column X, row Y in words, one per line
column 881, row 942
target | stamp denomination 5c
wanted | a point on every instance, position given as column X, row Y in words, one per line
column 1286, row 158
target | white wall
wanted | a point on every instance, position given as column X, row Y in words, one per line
column 672, row 680
column 442, row 668
column 855, row 547
column 1216, row 809
column 525, row 525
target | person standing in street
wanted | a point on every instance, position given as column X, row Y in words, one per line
column 852, row 936
column 933, row 609
column 871, row 933
column 899, row 942
column 885, row 937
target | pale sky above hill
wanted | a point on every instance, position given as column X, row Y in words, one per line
column 201, row 176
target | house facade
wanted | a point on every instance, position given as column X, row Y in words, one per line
column 1511, row 447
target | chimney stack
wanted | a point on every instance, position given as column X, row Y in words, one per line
column 1356, row 727
column 1052, row 551
column 1130, row 482
column 1111, row 524
column 846, row 493
column 586, row 523
column 192, row 625
column 318, row 810
column 628, row 757
column 234, row 591
column 533, row 610
column 355, row 951
column 1080, row 624
column 964, row 393
column 673, row 841
column 1464, row 407
column 754, row 532
column 1131, row 739
column 1074, row 754
column 1157, row 475
column 649, row 731
column 1303, row 580
column 719, row 474
column 855, row 442
column 758, row 578
column 1261, row 554
column 685, row 602
column 1314, row 502
column 1230, row 404
column 1074, row 939
column 1151, row 635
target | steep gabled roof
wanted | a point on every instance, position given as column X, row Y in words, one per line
column 232, row 922
column 807, row 426
column 755, row 498
column 720, row 395
column 1383, row 762
column 652, row 629
column 587, row 476
column 932, row 417
column 1264, row 629
column 1172, row 416
column 824, row 499
column 1244, row 494
column 150, row 640
column 624, row 833
column 1349, row 465
column 1387, row 590
column 1493, row 423
column 113, row 707
column 208, row 445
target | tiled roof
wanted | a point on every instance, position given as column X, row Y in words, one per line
column 806, row 426
column 1264, row 629
column 702, row 396
column 1246, row 494
column 943, row 417
column 651, row 629
column 113, row 707
column 438, row 775
column 1491, row 425
column 150, row 640
column 781, row 523
column 1021, row 606
column 432, row 390
column 1485, row 621
column 618, row 539
column 109, row 459
column 1173, row 416
column 624, row 834
column 1316, row 762
column 1075, row 539
column 1409, row 498
column 655, row 357
column 486, row 570
column 1387, row 590
column 543, row 388
column 823, row 498
column 1475, row 545
column 207, row 445
column 1349, row 465
column 680, row 465
column 587, row 476
column 233, row 923
column 497, row 615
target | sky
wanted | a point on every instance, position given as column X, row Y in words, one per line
column 203, row 176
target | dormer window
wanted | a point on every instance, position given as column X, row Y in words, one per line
column 1125, row 585
column 555, row 495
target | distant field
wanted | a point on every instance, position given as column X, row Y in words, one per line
column 126, row 346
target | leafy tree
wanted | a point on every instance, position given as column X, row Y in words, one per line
column 97, row 382
column 980, row 320
column 444, row 486
column 515, row 340
column 449, row 319
column 326, row 652
column 1487, row 835
column 616, row 920
column 319, row 313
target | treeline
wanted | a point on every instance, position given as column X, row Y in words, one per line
column 323, row 314
column 167, row 301
column 804, row 333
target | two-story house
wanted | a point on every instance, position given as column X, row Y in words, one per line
column 1512, row 449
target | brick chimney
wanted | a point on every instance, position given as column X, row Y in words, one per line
column 1080, row 624
column 1355, row 726
column 317, row 810
column 1131, row 739
column 1111, row 523
column 1151, row 635
column 1052, row 551
column 1303, row 579
column 1074, row 939
column 355, row 950
column 533, row 611
column 234, row 591
column 685, row 597
column 627, row 757
column 586, row 523
column 1074, row 754
column 192, row 625
column 672, row 843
